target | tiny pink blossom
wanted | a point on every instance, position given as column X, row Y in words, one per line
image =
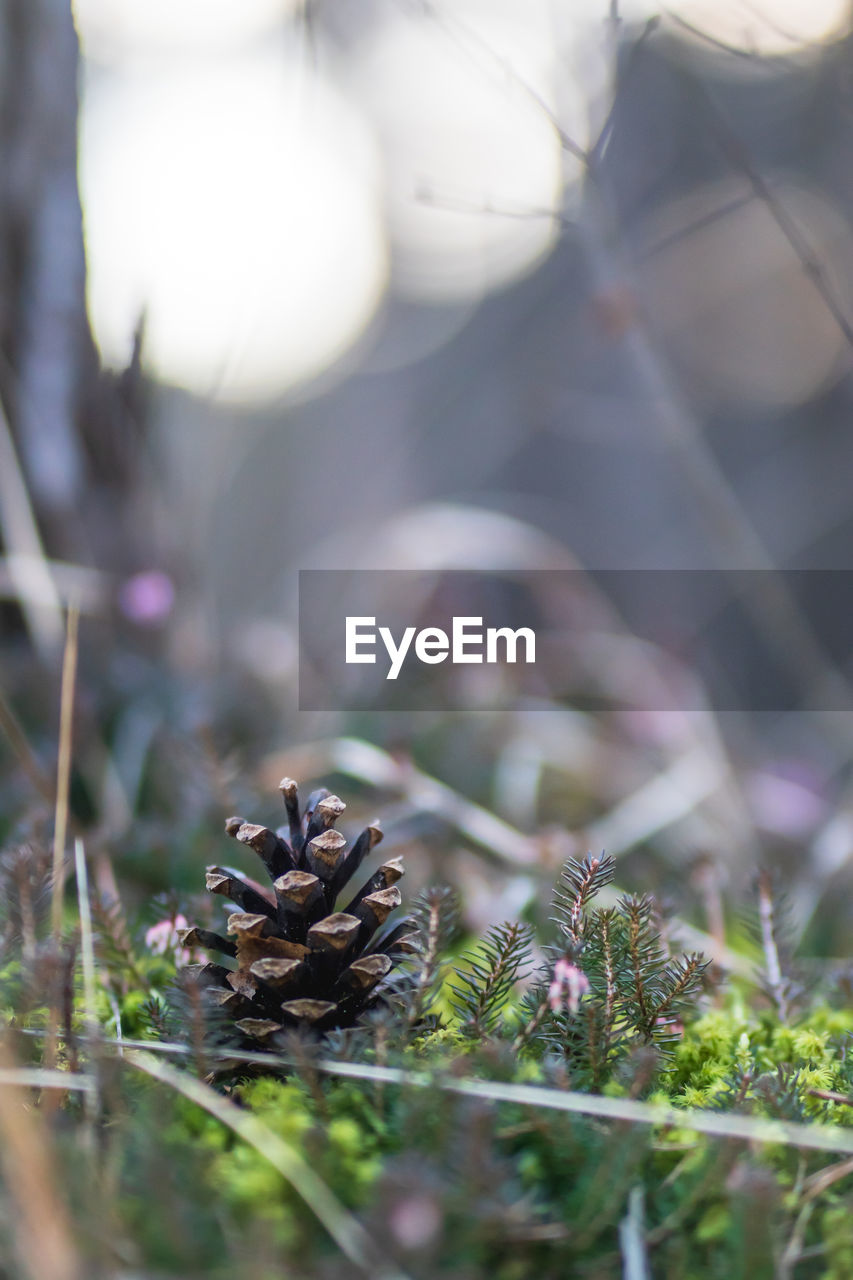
column 415, row 1221
column 568, row 985
column 147, row 598
column 165, row 936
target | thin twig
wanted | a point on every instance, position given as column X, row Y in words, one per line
column 531, row 1026
column 600, row 145
column 793, row 1250
column 463, row 33
column 736, row 152
column 829, row 1095
column 767, row 918
column 825, row 1178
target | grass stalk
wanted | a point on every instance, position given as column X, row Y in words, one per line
column 344, row 1229
column 63, row 771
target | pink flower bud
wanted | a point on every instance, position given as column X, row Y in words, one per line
column 164, row 936
column 568, row 985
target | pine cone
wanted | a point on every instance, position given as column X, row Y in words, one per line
column 300, row 962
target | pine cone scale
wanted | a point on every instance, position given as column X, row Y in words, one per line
column 299, row 961
column 221, row 881
column 274, row 852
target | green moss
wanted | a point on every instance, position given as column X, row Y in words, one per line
column 835, row 1232
column 726, row 1045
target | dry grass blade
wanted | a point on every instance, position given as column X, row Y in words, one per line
column 632, row 1239
column 87, row 946
column 658, row 803
column 345, row 1230
column 10, row 726
column 825, row 1178
column 496, row 838
column 805, row 1137
column 27, row 565
column 63, row 771
column 767, row 917
column 21, row 578
column 45, row 1244
column 42, row 1078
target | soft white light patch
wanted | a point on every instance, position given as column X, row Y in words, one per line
column 474, row 165
column 736, row 309
column 109, row 27
column 234, row 204
column 766, row 27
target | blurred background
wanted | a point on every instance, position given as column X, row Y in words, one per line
column 441, row 284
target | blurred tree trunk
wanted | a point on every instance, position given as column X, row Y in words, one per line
column 75, row 429
column 48, row 355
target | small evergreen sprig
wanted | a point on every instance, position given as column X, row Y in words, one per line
column 579, row 883
column 772, row 925
column 614, row 987
column 609, row 988
column 488, row 975
column 436, row 914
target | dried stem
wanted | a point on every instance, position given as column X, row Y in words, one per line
column 63, row 773
column 531, row 1026
column 87, row 950
column 46, row 1247
column 767, row 919
column 829, row 1095
column 713, row 1175
column 27, row 759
